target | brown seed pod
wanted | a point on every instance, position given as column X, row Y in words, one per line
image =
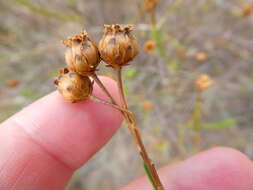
column 203, row 82
column 148, row 105
column 82, row 54
column 73, row 87
column 150, row 5
column 201, row 56
column 11, row 83
column 149, row 46
column 117, row 46
column 247, row 9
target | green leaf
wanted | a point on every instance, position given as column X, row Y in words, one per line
column 49, row 13
column 131, row 73
column 176, row 43
column 29, row 94
column 197, row 116
column 219, row 125
column 159, row 36
column 126, row 90
column 174, row 64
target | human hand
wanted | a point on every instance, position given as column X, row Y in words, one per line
column 41, row 147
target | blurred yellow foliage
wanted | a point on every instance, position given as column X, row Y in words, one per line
column 162, row 145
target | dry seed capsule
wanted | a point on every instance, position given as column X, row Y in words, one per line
column 73, row 87
column 82, row 54
column 117, row 46
column 203, row 82
column 149, row 46
column 247, row 9
column 201, row 56
column 150, row 5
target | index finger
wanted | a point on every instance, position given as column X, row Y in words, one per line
column 42, row 145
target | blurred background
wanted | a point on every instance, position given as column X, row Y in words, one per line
column 191, row 86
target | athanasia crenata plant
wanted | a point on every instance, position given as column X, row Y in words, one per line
column 116, row 48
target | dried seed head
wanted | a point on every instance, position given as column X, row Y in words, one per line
column 117, row 46
column 73, row 87
column 203, row 82
column 150, row 5
column 149, row 46
column 82, row 54
column 11, row 83
column 247, row 9
column 148, row 105
column 201, row 56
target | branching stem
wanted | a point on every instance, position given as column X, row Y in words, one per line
column 100, row 84
column 136, row 134
column 131, row 123
column 97, row 99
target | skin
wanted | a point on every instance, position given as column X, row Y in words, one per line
column 43, row 145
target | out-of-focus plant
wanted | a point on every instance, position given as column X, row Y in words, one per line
column 149, row 46
column 149, row 6
column 195, row 123
column 201, row 56
column 247, row 9
column 29, row 94
column 159, row 36
column 73, row 17
column 11, row 83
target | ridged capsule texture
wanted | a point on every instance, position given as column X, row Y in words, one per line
column 82, row 55
column 73, row 87
column 117, row 46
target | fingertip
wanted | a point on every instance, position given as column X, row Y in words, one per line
column 219, row 168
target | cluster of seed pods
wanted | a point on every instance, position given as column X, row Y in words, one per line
column 116, row 48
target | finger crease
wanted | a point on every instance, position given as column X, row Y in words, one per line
column 44, row 149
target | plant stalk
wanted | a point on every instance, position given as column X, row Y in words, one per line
column 97, row 99
column 101, row 85
column 136, row 134
column 103, row 88
column 130, row 118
